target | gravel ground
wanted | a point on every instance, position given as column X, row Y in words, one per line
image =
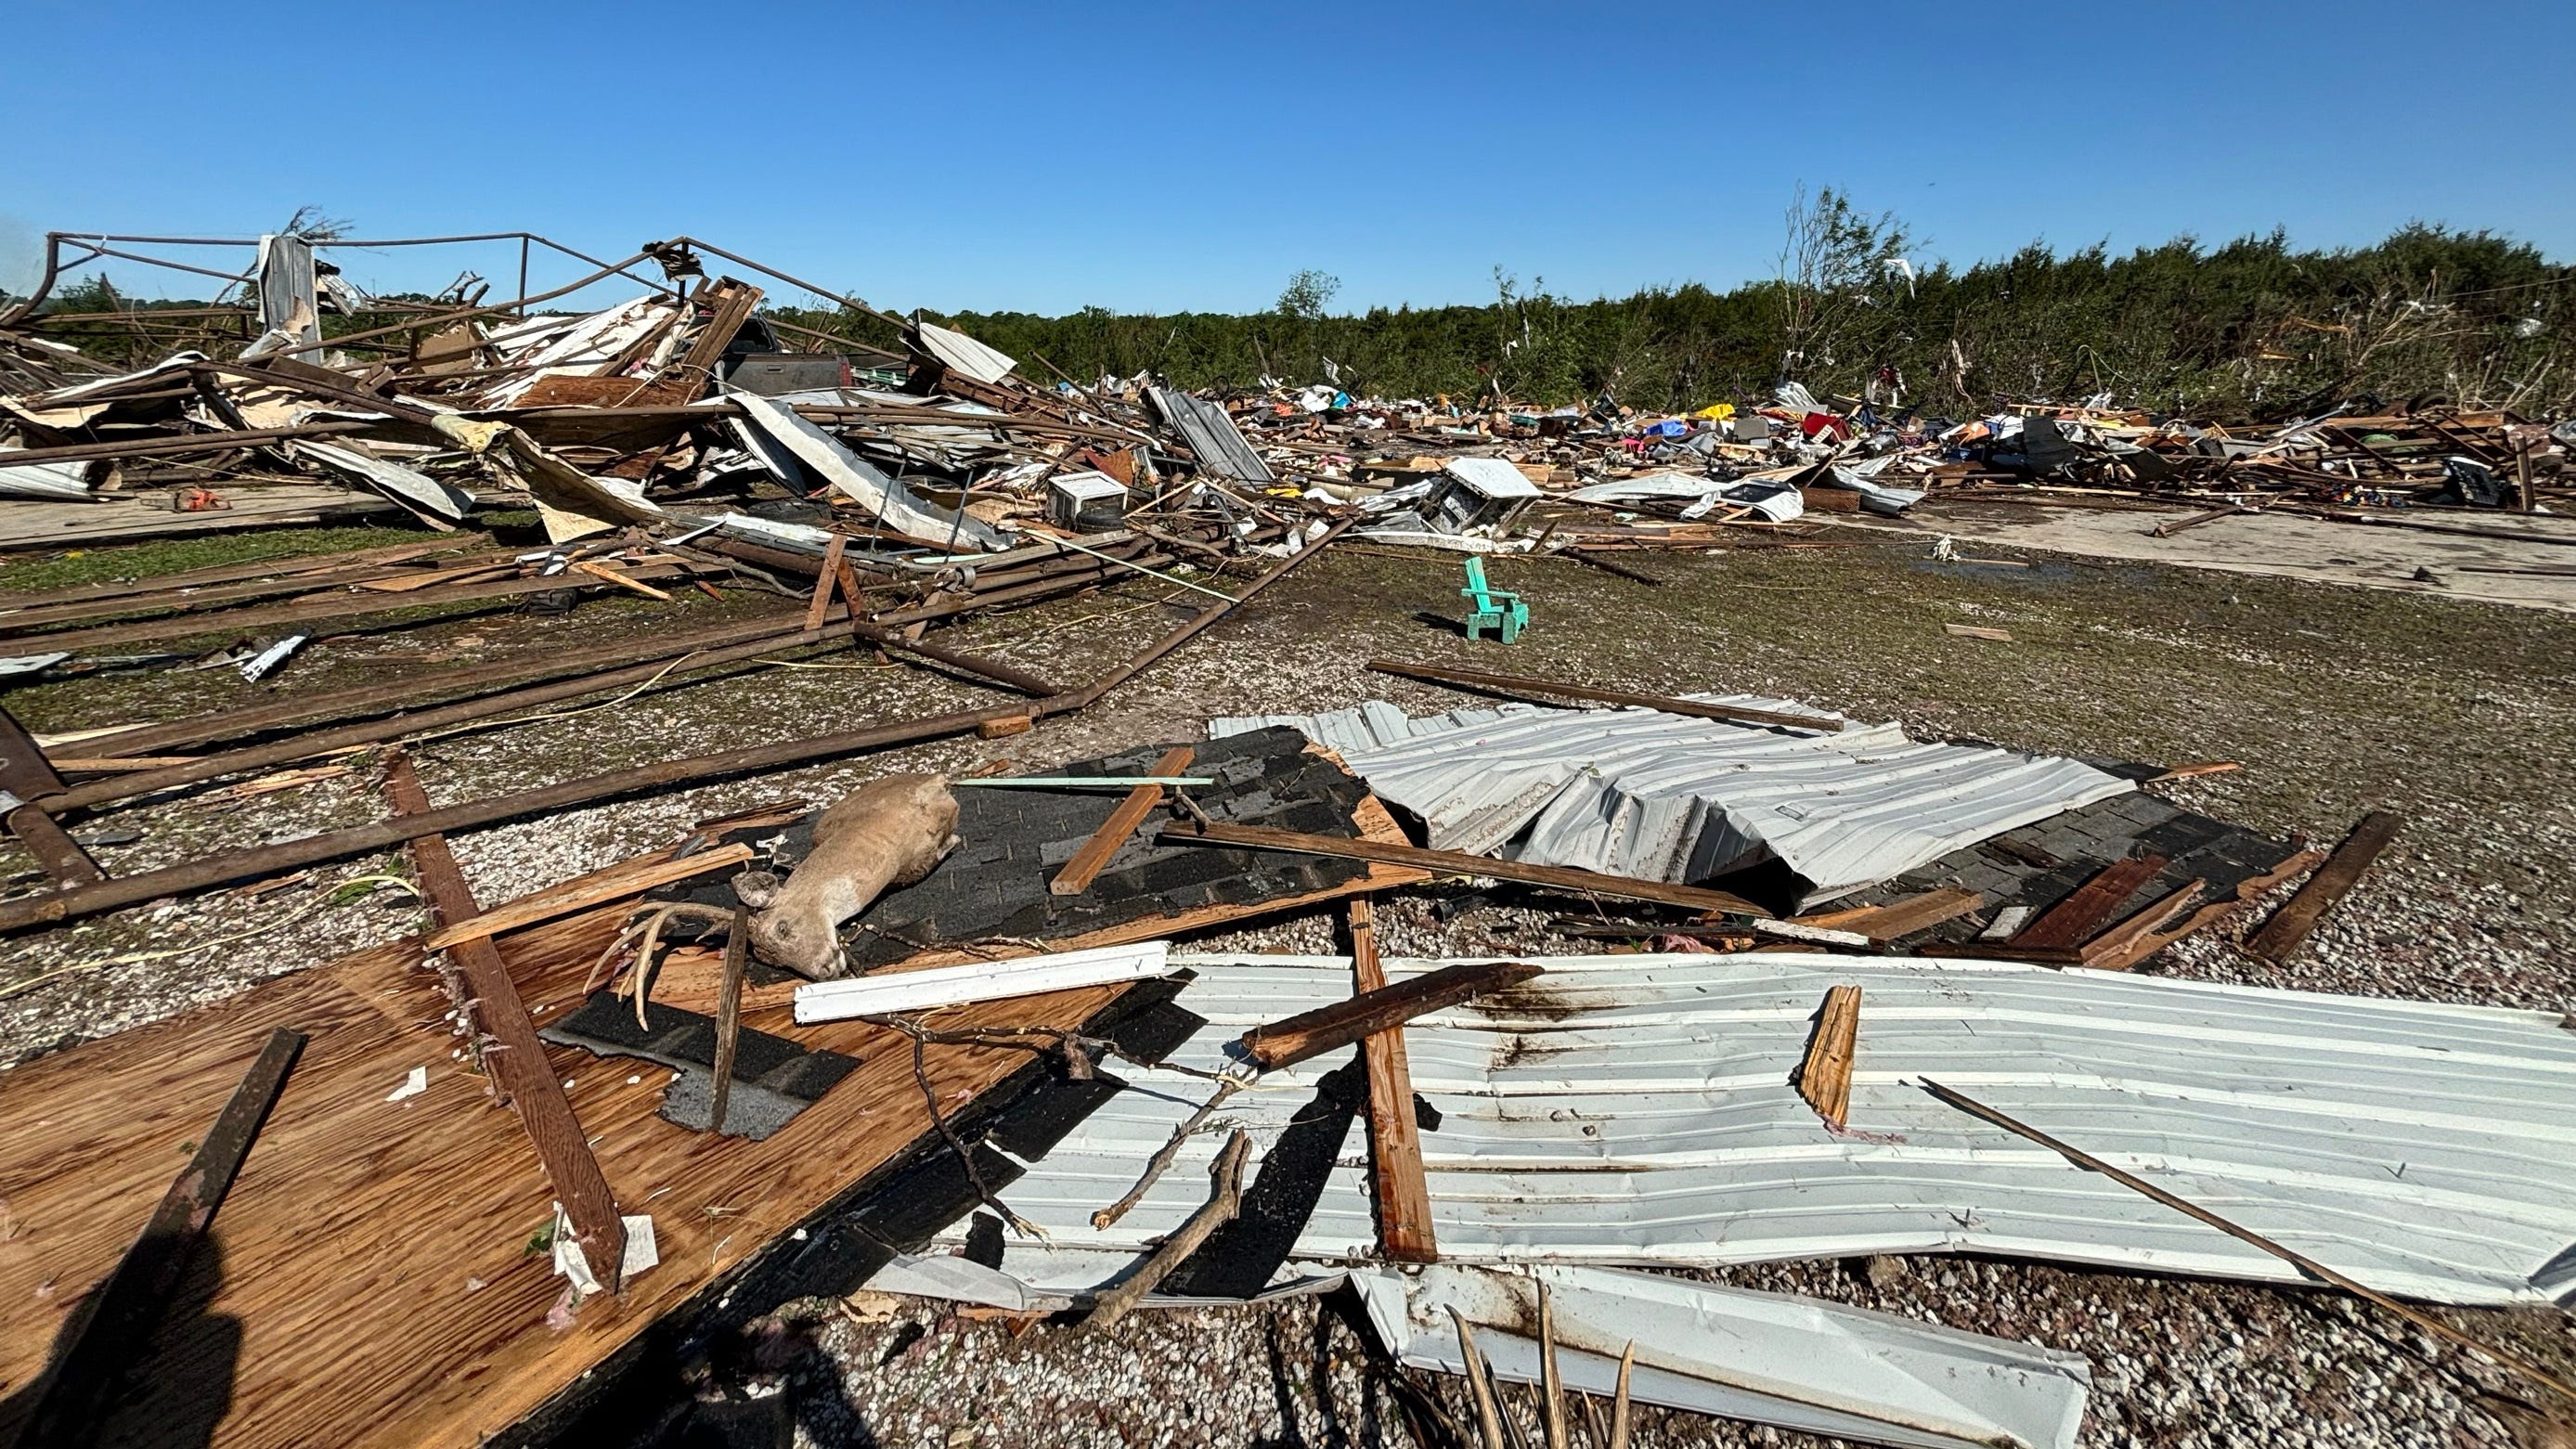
column 2461, row 716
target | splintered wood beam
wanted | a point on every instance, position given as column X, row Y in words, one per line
column 826, row 579
column 1455, row 862
column 2090, row 905
column 1883, row 924
column 1310, row 1034
column 112, row 1325
column 2342, row 871
column 2111, row 950
column 1395, row 1140
column 1824, row 1079
column 1079, row 872
column 514, row 1056
column 1696, row 709
column 25, row 779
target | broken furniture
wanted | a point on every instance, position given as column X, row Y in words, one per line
column 1491, row 608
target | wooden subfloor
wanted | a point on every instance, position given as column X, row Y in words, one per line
column 377, row 1284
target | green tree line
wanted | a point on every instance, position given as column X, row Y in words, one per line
column 2253, row 328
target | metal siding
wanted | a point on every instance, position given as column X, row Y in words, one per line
column 1636, row 1110
column 1214, row 439
column 1638, row 792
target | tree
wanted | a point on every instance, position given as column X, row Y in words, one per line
column 1307, row 294
column 1835, row 267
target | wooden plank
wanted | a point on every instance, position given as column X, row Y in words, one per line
column 513, row 1055
column 826, row 578
column 1452, row 862
column 1310, row 1034
column 607, row 575
column 582, row 894
column 328, row 605
column 27, row 779
column 2115, row 944
column 1404, row 1231
column 1886, row 923
column 2083, row 912
column 2207, row 916
column 1474, row 679
column 1084, row 867
column 112, row 1326
column 2342, row 871
column 1824, row 1077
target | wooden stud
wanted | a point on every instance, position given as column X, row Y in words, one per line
column 1084, row 867
column 25, row 775
column 994, row 729
column 825, row 579
column 2342, row 871
column 112, row 1325
column 1404, row 1231
column 516, row 1059
column 582, row 894
column 728, row 1017
column 1310, row 1034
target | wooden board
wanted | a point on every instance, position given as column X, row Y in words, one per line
column 376, row 1285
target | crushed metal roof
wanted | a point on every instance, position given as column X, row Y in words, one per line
column 1642, row 793
column 1213, row 438
column 1636, row 1110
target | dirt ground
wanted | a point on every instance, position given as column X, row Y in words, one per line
column 2458, row 715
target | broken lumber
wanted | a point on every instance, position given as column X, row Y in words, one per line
column 112, row 1325
column 1824, row 1078
column 2342, row 871
column 1448, row 862
column 1402, row 1195
column 1310, row 1034
column 26, row 780
column 1505, row 683
column 1084, row 867
column 1884, row 924
column 2090, row 905
column 67, row 903
column 513, row 1056
column 577, row 895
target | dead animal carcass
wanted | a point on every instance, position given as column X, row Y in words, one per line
column 888, row 832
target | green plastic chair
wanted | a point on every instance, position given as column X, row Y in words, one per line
column 1492, row 608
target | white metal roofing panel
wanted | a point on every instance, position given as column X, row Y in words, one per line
column 964, row 353
column 1373, row 724
column 1766, row 1357
column 1493, row 477
column 1642, row 793
column 1636, row 1110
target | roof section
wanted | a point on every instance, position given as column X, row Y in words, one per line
column 1636, row 1110
column 1214, row 439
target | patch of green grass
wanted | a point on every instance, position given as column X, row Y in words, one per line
column 74, row 567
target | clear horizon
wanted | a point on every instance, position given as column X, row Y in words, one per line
column 1169, row 159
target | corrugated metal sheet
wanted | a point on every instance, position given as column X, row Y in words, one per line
column 1664, row 797
column 777, row 433
column 964, row 354
column 1766, row 1357
column 1373, row 725
column 1214, row 439
column 1636, row 1110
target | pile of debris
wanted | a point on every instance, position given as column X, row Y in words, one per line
column 1838, row 988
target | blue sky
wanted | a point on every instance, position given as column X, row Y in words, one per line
column 1162, row 158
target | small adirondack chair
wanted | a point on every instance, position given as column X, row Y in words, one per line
column 1492, row 608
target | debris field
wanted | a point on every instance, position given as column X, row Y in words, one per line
column 651, row 875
